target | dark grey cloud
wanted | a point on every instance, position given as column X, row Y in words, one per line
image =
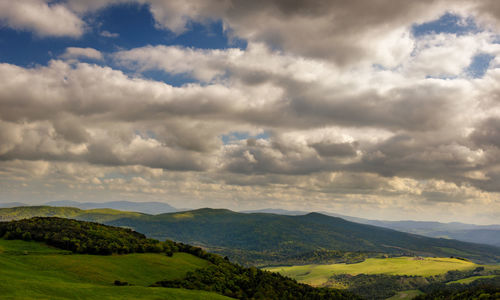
column 335, row 149
column 487, row 133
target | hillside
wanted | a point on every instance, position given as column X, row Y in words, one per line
column 263, row 239
column 141, row 207
column 480, row 234
column 157, row 270
column 32, row 270
column 285, row 236
column 94, row 215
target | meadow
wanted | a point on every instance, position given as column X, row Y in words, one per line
column 35, row 270
column 317, row 275
column 471, row 279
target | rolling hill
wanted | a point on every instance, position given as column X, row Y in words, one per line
column 73, row 269
column 226, row 231
column 142, row 207
column 95, row 215
column 264, row 239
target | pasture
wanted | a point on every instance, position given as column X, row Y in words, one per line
column 317, row 275
column 35, row 270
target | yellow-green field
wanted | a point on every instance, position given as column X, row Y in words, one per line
column 30, row 270
column 317, row 275
column 471, row 279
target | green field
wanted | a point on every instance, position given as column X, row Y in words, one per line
column 317, row 275
column 31, row 270
column 471, row 279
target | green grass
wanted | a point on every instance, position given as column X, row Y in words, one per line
column 410, row 294
column 16, row 247
column 31, row 270
column 318, row 274
column 471, row 279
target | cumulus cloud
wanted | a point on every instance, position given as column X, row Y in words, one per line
column 76, row 53
column 363, row 116
column 41, row 17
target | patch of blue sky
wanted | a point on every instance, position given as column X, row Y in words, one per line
column 136, row 28
column 479, row 65
column 443, row 77
column 447, row 23
column 148, row 134
column 238, row 136
column 132, row 26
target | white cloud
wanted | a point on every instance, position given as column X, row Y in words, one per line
column 108, row 34
column 42, row 18
column 76, row 53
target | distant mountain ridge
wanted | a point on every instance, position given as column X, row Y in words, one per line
column 101, row 215
column 12, row 204
column 481, row 234
column 151, row 208
column 254, row 237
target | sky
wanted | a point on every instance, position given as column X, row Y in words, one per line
column 372, row 108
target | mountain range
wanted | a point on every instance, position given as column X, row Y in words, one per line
column 481, row 234
column 253, row 238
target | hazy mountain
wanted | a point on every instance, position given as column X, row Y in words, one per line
column 142, row 207
column 11, row 204
column 276, row 211
column 465, row 232
column 482, row 234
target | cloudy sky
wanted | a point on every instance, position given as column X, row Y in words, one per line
column 373, row 108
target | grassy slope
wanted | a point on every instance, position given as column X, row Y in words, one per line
column 319, row 274
column 34, row 270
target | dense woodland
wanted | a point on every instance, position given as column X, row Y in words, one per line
column 484, row 289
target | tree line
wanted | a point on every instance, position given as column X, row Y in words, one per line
column 82, row 237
